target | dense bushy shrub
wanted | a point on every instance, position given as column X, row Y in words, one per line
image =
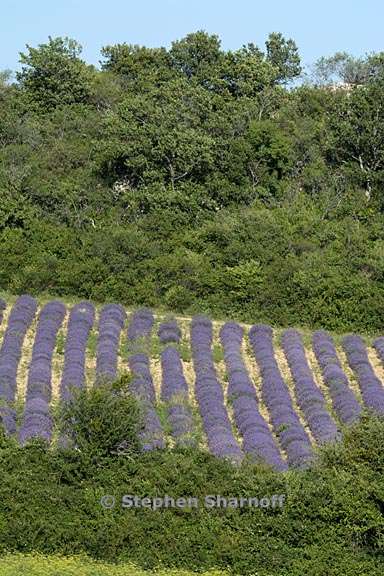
column 331, row 521
column 102, row 420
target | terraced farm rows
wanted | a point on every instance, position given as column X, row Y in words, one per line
column 238, row 391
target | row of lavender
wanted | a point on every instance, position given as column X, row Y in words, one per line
column 139, row 332
column 209, row 394
column 37, row 419
column 20, row 319
column 174, row 390
column 309, row 396
column 257, row 440
column 285, row 422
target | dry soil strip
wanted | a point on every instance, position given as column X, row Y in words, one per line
column 375, row 361
column 26, row 357
column 90, row 352
column 317, row 375
column 353, row 383
column 58, row 359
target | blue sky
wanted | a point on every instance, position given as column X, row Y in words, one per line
column 318, row 27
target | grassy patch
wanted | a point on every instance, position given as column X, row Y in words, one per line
column 40, row 565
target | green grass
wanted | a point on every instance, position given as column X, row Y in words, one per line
column 92, row 344
column 217, row 353
column 60, row 342
column 40, row 565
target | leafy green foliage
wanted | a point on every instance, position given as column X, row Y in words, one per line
column 190, row 179
column 284, row 55
column 157, row 137
column 196, row 54
column 357, row 137
column 331, row 521
column 53, row 75
column 102, row 420
column 344, row 67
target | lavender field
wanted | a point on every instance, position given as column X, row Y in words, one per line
column 237, row 391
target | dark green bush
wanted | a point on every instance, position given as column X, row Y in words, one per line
column 102, row 420
column 331, row 523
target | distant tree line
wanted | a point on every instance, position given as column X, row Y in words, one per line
column 196, row 178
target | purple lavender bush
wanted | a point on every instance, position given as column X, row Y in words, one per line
column 20, row 319
column 309, row 397
column 258, row 441
column 139, row 329
column 169, row 332
column 209, row 394
column 37, row 421
column 80, row 324
column 344, row 401
column 139, row 332
column 174, row 389
column 111, row 323
column 371, row 388
column 275, row 394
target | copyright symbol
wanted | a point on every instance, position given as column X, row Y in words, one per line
column 107, row 501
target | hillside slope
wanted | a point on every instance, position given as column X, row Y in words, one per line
column 308, row 413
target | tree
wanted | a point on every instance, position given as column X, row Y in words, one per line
column 158, row 137
column 243, row 72
column 270, row 156
column 284, row 55
column 356, row 139
column 8, row 109
column 196, row 54
column 137, row 66
column 343, row 67
column 53, row 74
column 5, row 76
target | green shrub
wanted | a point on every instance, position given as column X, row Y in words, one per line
column 331, row 523
column 102, row 420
